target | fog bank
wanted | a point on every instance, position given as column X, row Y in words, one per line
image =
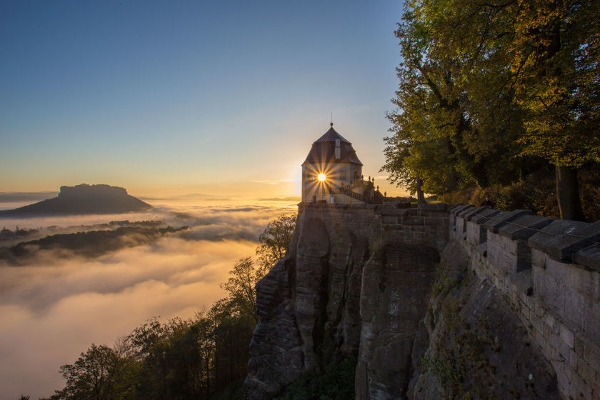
column 55, row 307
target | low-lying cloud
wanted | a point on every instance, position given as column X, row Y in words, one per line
column 54, row 307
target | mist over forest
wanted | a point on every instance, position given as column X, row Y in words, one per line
column 56, row 299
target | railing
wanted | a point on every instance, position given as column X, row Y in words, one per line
column 347, row 190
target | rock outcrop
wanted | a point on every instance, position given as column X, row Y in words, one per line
column 343, row 291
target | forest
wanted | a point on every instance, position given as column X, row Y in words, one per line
column 499, row 98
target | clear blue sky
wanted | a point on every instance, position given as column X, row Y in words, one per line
column 197, row 96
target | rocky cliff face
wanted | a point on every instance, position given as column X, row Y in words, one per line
column 376, row 285
column 308, row 306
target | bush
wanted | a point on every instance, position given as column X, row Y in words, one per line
column 335, row 383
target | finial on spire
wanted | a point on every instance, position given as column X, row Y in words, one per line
column 331, row 120
column 331, row 124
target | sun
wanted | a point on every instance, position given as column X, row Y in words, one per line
column 322, row 177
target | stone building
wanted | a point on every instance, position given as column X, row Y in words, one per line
column 332, row 173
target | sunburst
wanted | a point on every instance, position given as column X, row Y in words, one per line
column 323, row 178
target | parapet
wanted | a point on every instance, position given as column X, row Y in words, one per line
column 549, row 270
column 565, row 241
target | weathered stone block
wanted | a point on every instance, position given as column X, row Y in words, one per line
column 550, row 321
column 508, row 255
column 523, row 286
column 579, row 389
column 589, row 257
column 538, row 258
column 574, row 305
column 503, row 218
column 591, row 355
column 562, row 239
column 468, row 214
column 550, row 290
column 387, row 219
column 585, row 282
column 567, row 336
column 435, row 221
column 452, row 207
column 483, row 216
column 523, row 226
column 461, row 209
column 579, row 347
column 482, row 249
column 573, row 359
column 591, row 320
column 439, row 206
column 397, row 212
column 586, row 372
column 561, row 376
column 408, row 220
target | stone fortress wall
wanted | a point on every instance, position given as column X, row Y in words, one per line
column 549, row 271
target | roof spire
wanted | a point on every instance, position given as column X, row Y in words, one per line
column 331, row 120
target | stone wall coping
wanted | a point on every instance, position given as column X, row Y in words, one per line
column 484, row 215
column 589, row 257
column 500, row 219
column 452, row 207
column 467, row 214
column 466, row 211
column 460, row 207
column 561, row 239
column 523, row 226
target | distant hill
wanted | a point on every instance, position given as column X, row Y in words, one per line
column 82, row 199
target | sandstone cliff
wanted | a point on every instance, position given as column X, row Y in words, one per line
column 399, row 291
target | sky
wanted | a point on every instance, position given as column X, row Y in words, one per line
column 175, row 97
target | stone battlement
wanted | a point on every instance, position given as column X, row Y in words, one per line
column 549, row 271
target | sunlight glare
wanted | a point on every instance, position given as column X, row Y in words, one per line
column 322, row 177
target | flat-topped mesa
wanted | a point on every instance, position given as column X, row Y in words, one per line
column 84, row 189
column 83, row 199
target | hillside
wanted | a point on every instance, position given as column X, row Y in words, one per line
column 82, row 199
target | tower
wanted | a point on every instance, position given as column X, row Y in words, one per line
column 332, row 171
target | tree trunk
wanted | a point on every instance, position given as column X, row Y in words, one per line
column 420, row 195
column 567, row 194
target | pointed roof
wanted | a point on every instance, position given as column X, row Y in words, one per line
column 323, row 150
column 331, row 135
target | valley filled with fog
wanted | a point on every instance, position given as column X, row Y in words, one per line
column 57, row 300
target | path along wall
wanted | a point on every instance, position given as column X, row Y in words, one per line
column 549, row 271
